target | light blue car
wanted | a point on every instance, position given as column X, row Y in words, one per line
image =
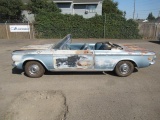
column 67, row 56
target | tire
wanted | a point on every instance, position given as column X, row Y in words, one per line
column 124, row 68
column 34, row 69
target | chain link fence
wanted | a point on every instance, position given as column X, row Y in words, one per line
column 146, row 30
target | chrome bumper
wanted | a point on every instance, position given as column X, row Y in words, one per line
column 17, row 65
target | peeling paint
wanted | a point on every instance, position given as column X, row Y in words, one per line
column 73, row 61
column 37, row 47
column 134, row 48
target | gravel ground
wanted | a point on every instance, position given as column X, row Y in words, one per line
column 78, row 95
column 36, row 105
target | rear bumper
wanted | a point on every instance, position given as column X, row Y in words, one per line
column 153, row 62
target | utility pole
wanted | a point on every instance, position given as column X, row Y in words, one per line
column 159, row 14
column 134, row 9
column 137, row 16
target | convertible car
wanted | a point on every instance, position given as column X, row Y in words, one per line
column 67, row 56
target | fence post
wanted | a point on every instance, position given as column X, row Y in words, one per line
column 104, row 26
column 29, row 30
column 33, row 32
column 156, row 25
column 7, row 30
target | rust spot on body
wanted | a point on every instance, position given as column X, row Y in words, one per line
column 84, row 63
column 83, row 52
column 132, row 48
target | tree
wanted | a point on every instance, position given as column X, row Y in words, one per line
column 111, row 7
column 150, row 17
column 124, row 14
column 10, row 10
column 37, row 6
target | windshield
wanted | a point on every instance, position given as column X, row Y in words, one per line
column 63, row 42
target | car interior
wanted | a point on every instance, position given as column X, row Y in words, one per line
column 91, row 46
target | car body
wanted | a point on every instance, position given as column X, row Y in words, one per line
column 67, row 56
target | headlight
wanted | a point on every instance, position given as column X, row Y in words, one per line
column 16, row 58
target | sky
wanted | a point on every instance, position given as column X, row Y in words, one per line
column 142, row 8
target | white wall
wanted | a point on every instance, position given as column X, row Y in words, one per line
column 28, row 16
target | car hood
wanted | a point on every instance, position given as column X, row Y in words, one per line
column 37, row 47
column 32, row 49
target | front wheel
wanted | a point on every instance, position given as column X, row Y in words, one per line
column 34, row 69
column 124, row 68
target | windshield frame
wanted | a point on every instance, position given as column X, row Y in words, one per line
column 67, row 39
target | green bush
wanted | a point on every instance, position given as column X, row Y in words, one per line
column 56, row 25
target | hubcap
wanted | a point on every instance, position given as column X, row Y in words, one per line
column 124, row 68
column 34, row 69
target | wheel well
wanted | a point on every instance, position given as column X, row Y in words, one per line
column 33, row 60
column 134, row 64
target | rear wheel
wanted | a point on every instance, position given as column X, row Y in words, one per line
column 124, row 68
column 34, row 69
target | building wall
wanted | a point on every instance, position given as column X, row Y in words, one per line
column 99, row 8
column 80, row 9
column 28, row 16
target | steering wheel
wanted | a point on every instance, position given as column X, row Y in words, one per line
column 96, row 45
column 84, row 47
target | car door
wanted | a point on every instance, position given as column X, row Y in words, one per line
column 104, row 59
column 70, row 60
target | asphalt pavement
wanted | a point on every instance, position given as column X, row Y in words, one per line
column 83, row 95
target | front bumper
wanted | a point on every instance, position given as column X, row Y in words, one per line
column 17, row 65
